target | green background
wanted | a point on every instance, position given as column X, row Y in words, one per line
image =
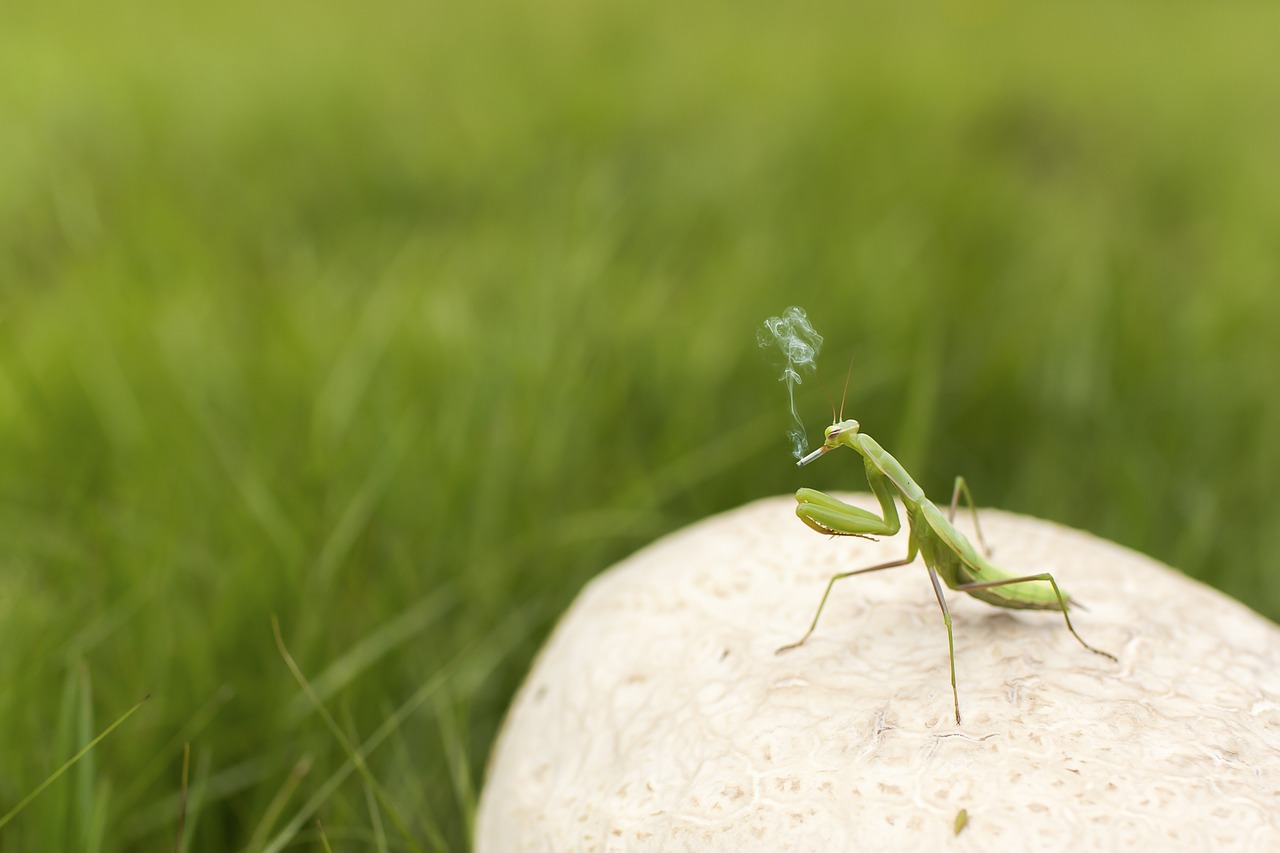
column 401, row 324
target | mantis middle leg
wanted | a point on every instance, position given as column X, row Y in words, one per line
column 951, row 640
column 893, row 564
column 962, row 486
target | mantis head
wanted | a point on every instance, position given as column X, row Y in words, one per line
column 841, row 432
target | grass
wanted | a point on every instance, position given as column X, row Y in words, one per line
column 399, row 326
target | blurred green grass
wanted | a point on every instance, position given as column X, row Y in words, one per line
column 402, row 324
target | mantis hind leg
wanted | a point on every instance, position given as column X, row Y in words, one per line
column 1062, row 603
column 962, row 486
column 877, row 568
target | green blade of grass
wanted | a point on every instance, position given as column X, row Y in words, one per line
column 480, row 657
column 68, row 764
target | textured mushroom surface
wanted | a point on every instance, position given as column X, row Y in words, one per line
column 658, row 716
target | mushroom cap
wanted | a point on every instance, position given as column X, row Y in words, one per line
column 658, row 716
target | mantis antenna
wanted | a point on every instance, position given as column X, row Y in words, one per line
column 845, row 395
column 835, row 418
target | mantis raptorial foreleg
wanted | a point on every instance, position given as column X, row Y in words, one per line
column 962, row 486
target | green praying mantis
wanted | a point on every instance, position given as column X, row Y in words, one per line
column 948, row 555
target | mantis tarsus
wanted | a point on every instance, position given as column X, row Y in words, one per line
column 947, row 553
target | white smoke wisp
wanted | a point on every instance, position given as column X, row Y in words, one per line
column 795, row 336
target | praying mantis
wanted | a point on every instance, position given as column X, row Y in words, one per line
column 947, row 554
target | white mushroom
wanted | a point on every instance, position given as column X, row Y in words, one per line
column 658, row 718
